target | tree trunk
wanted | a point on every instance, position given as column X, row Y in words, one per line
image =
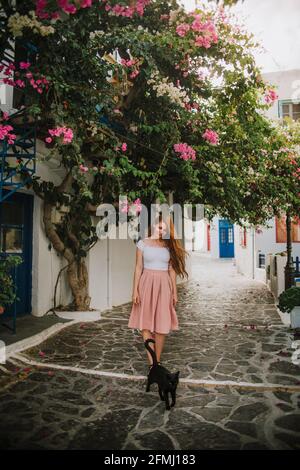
column 77, row 271
column 78, row 280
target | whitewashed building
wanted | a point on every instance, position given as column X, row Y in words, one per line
column 250, row 248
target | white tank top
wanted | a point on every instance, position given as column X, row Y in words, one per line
column 154, row 257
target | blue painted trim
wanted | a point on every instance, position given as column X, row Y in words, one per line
column 24, row 270
column 226, row 249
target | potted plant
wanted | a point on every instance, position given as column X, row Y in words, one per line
column 7, row 287
column 289, row 301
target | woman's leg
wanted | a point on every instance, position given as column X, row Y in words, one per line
column 146, row 335
column 159, row 344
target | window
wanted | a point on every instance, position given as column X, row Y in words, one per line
column 261, row 260
column 281, row 230
column 289, row 108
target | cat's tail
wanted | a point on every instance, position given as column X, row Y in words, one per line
column 146, row 343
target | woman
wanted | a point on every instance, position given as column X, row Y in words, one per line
column 154, row 297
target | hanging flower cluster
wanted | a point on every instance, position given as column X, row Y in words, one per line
column 40, row 83
column 203, row 32
column 295, row 163
column 136, row 206
column 83, row 169
column 186, row 152
column 66, row 6
column 271, row 96
column 163, row 87
column 211, row 136
column 5, row 130
column 16, row 23
column 131, row 63
column 128, row 11
column 6, row 134
column 44, row 8
column 58, row 131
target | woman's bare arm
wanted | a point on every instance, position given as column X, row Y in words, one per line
column 139, row 266
column 172, row 275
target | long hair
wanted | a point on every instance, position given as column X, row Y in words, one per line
column 177, row 252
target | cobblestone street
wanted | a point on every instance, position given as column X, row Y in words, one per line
column 84, row 388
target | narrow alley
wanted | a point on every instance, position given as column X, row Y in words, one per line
column 84, row 387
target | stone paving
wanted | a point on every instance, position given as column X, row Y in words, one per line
column 84, row 388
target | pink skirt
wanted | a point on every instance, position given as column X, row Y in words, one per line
column 156, row 311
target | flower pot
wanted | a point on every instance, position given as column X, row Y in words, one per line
column 295, row 317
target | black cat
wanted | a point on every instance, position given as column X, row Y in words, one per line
column 167, row 381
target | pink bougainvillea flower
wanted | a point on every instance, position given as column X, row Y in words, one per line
column 134, row 74
column 8, row 81
column 211, row 136
column 137, row 205
column 42, row 354
column 48, row 140
column 271, row 96
column 4, row 130
column 67, row 133
column 127, row 11
column 5, row 116
column 129, row 62
column 6, row 134
column 186, row 152
column 124, row 147
column 67, row 7
column 55, row 15
column 24, row 65
column 203, row 41
column 86, row 3
column 124, row 206
column 83, row 168
column 182, row 29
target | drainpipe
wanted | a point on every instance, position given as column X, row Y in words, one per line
column 289, row 270
column 108, row 274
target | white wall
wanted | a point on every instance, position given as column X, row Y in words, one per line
column 244, row 254
column 46, row 263
column 265, row 243
column 6, row 96
column 200, row 236
column 214, row 238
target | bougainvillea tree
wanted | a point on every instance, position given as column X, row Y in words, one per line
column 138, row 98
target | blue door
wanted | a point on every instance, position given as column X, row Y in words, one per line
column 16, row 239
column 226, row 239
